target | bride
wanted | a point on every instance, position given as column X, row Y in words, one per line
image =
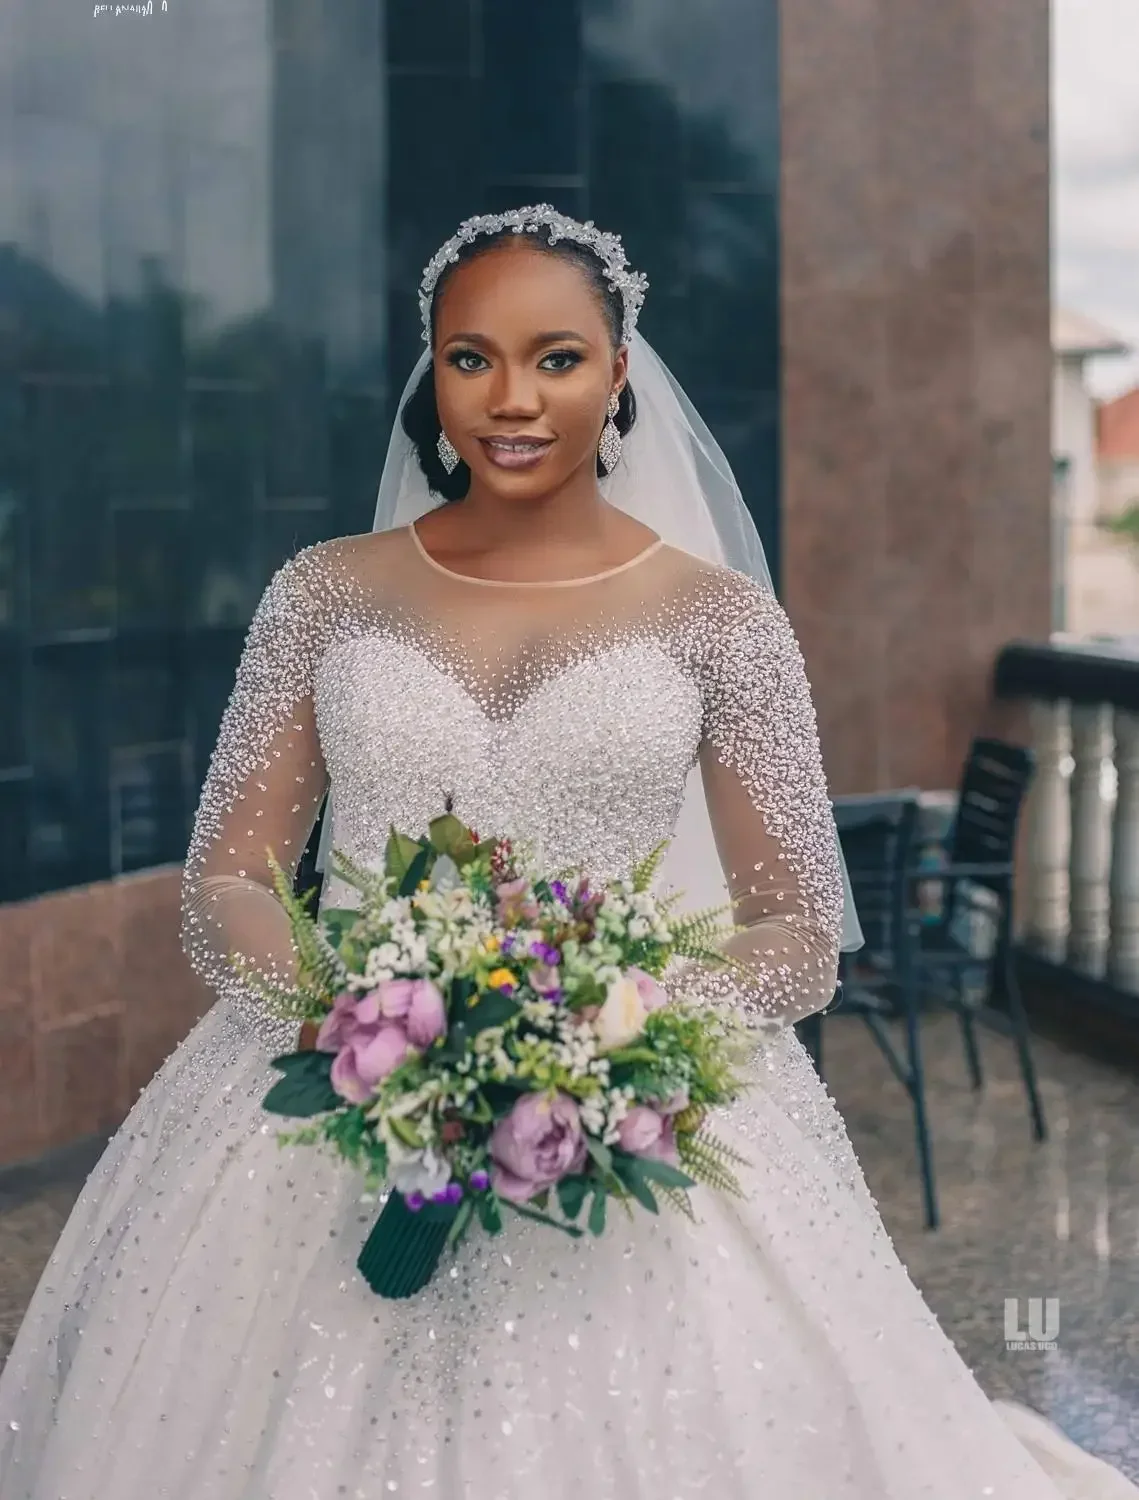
column 580, row 646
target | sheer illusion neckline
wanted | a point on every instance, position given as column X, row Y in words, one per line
column 533, row 583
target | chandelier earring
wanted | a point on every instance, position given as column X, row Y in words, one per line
column 448, row 454
column 609, row 448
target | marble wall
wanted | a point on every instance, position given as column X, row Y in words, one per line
column 916, row 368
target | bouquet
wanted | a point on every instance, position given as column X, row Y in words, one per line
column 494, row 1040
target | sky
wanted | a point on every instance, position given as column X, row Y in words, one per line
column 1095, row 129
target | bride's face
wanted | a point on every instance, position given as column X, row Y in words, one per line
column 524, row 367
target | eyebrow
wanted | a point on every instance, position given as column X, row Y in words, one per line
column 555, row 336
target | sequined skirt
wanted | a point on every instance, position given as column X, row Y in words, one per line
column 201, row 1333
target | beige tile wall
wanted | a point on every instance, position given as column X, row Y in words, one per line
column 917, row 467
column 94, row 994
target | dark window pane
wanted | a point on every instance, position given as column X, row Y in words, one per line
column 733, row 257
column 435, row 177
column 150, row 567
column 532, row 88
column 147, row 455
column 68, row 834
column 13, row 743
column 13, row 562
column 150, row 801
column 284, row 533
column 640, row 122
column 296, row 434
column 14, row 875
column 72, row 581
column 147, row 698
column 227, row 476
column 434, row 36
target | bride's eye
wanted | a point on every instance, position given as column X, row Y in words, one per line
column 564, row 359
column 459, row 358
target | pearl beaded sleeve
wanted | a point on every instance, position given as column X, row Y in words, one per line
column 771, row 815
column 264, row 788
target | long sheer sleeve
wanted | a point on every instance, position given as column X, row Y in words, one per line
column 262, row 793
column 771, row 816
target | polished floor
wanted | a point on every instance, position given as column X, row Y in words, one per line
column 1020, row 1220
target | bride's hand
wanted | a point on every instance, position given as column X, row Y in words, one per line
column 306, row 1042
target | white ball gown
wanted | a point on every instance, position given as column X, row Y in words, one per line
column 201, row 1333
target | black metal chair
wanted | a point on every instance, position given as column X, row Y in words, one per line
column 966, row 960
column 961, row 956
column 879, row 983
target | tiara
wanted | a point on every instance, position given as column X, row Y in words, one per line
column 631, row 285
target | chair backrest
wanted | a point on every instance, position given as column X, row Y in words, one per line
column 993, row 786
column 878, row 840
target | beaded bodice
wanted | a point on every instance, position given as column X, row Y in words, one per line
column 569, row 715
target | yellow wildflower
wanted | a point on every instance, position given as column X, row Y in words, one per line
column 499, row 978
column 491, row 945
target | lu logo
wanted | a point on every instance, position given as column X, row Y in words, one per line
column 1043, row 1320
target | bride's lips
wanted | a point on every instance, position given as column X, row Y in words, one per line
column 516, row 453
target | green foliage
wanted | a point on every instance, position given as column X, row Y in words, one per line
column 400, row 853
column 289, row 1004
column 374, row 887
column 699, row 934
column 1125, row 525
column 449, row 836
column 597, row 1209
column 710, row 1161
column 701, row 1063
column 416, row 871
column 461, row 1222
column 304, row 1090
column 679, row 1200
column 572, row 1192
column 541, row 1218
column 645, row 871
column 490, row 1213
column 320, row 969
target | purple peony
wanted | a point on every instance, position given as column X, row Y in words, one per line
column 653, row 994
column 426, row 1014
column 394, row 997
column 646, row 1132
column 538, row 1142
column 545, row 980
column 340, row 1024
column 367, row 1060
column 516, row 902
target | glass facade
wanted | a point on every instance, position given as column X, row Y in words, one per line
column 212, row 223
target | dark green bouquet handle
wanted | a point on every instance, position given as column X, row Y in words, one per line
column 401, row 1254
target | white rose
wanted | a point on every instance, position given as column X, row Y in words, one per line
column 422, row 1172
column 622, row 1018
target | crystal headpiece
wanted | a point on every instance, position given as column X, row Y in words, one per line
column 631, row 285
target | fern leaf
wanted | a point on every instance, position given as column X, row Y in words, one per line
column 644, row 871
column 299, row 1003
column 374, row 887
column 677, row 1199
column 319, row 966
column 710, row 1160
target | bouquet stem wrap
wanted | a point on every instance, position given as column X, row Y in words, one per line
column 403, row 1250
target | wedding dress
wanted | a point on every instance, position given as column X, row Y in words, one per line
column 200, row 1332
